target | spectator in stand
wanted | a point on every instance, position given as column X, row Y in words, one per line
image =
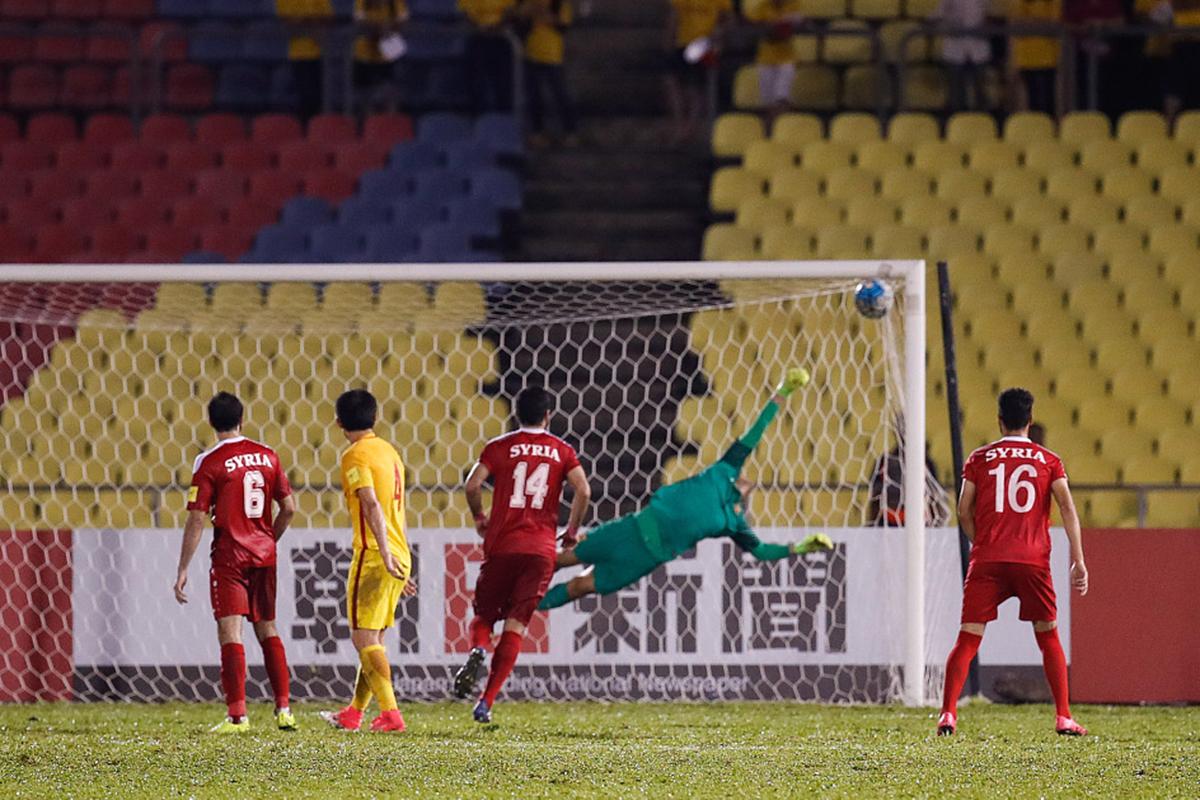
column 304, row 50
column 545, row 23
column 489, row 54
column 776, row 56
column 1037, row 433
column 886, row 502
column 966, row 56
column 1183, row 80
column 375, row 55
column 1108, row 64
column 1033, row 60
column 697, row 23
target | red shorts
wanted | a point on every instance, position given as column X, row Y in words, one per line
column 991, row 583
column 242, row 591
column 511, row 585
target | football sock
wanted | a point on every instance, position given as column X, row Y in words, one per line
column 362, row 691
column 233, row 678
column 277, row 670
column 957, row 666
column 1055, row 664
column 502, row 664
column 481, row 633
column 379, row 675
column 557, row 596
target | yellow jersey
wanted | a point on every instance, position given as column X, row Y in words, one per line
column 695, row 19
column 544, row 44
column 772, row 51
column 373, row 463
column 486, row 13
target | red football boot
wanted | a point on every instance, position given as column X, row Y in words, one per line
column 348, row 719
column 947, row 724
column 388, row 722
column 1065, row 726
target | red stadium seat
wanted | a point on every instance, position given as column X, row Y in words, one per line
column 136, row 156
column 15, row 187
column 332, row 129
column 385, row 130
column 58, row 244
column 86, row 213
column 303, row 157
column 330, row 184
column 31, row 214
column 122, row 87
column 16, row 245
column 275, row 129
column 140, row 213
column 10, row 131
column 77, row 9
column 58, row 44
column 81, row 157
column 220, row 186
column 253, row 213
column 229, row 241
column 26, row 156
column 189, row 87
column 356, row 158
column 54, row 186
column 33, row 86
column 15, row 48
column 163, row 40
column 51, row 129
column 247, row 157
column 108, row 129
column 165, row 129
column 129, row 9
column 196, row 213
column 108, row 45
column 114, row 242
column 25, row 9
column 87, row 86
column 274, row 186
column 112, row 184
column 168, row 244
column 220, row 130
column 164, row 185
column 190, row 156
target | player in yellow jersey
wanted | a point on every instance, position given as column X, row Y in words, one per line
column 373, row 482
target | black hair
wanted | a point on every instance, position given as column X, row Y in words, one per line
column 1016, row 408
column 356, row 410
column 533, row 403
column 225, row 412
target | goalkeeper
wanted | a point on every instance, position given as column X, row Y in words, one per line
column 705, row 506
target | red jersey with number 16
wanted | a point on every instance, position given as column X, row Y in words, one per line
column 1012, row 478
column 527, row 467
column 235, row 481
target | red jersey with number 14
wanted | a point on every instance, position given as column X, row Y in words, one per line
column 528, row 467
column 235, row 481
column 1012, row 478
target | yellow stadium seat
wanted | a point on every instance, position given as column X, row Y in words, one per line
column 1142, row 126
column 746, row 95
column 1126, row 183
column 181, row 297
column 759, row 213
column 733, row 185
column 734, row 133
column 1173, row 352
column 1079, row 127
column 875, row 9
column 826, row 9
column 1091, row 211
column 1028, row 127
column 794, row 184
column 1187, row 128
column 1115, row 239
column 993, row 326
column 970, row 128
column 797, row 130
column 767, row 157
column 855, row 128
column 897, row 241
column 980, row 212
column 825, row 156
column 352, row 296
column 903, row 184
column 1150, row 211
column 1122, row 444
column 1167, row 241
column 892, row 35
column 843, row 242
column 1147, row 297
column 1189, row 295
column 1033, row 297
column 1036, row 211
column 1104, row 155
column 1011, row 185
column 1106, row 509
column 947, row 242
column 937, row 156
column 816, row 87
column 845, row 183
column 991, row 157
column 787, row 243
column 957, row 183
column 1179, row 509
column 925, row 212
column 1189, row 470
column 871, row 212
column 1180, row 185
column 1101, row 323
column 1136, row 382
column 1058, row 354
column 1129, row 267
column 1162, row 157
column 806, row 49
column 236, row 299
column 101, row 329
column 818, row 212
column 847, row 49
column 1089, row 296
column 1004, row 239
column 925, row 88
column 1184, row 385
column 292, row 296
column 1179, row 269
column 913, row 129
column 1103, row 413
column 1164, row 415
column 725, row 242
column 881, row 156
column 1063, row 238
column 1190, row 213
column 864, row 88
column 1071, row 184
column 1148, row 469
column 463, row 302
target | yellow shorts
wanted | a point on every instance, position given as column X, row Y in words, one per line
column 371, row 593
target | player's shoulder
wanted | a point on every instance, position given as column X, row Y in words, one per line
column 502, row 440
column 220, row 446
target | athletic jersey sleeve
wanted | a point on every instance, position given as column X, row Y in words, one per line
column 356, row 472
column 570, row 459
column 282, row 487
column 747, row 540
column 202, row 492
column 1057, row 470
column 971, row 468
column 489, row 458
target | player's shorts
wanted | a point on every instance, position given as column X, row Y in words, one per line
column 371, row 593
column 242, row 592
column 511, row 585
column 991, row 583
column 619, row 554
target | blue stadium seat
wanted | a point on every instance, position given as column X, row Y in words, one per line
column 475, row 215
column 335, row 244
column 183, row 9
column 241, row 9
column 413, row 156
column 201, row 257
column 468, row 156
column 445, row 243
column 439, row 185
column 499, row 133
column 436, row 45
column 214, row 43
column 386, row 243
column 500, row 186
column 361, row 213
column 281, row 243
column 305, row 212
column 265, row 41
column 441, row 127
column 382, row 186
column 343, row 9
column 433, row 9
column 283, row 88
column 412, row 214
column 242, row 86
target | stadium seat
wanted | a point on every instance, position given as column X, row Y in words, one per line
column 947, row 242
column 1036, row 211
column 925, row 212
column 925, row 88
column 1173, row 240
column 881, row 156
column 794, row 184
column 897, row 241
column 787, row 242
column 387, row 130
column 902, row 184
column 1103, row 155
column 797, row 130
column 843, row 242
column 1161, row 157
column 79, row 157
column 990, row 157
column 937, row 156
column 1087, row 210
column 1164, row 414
column 389, row 244
column 1126, row 182
column 733, row 133
column 731, row 186
column 1061, row 239
column 32, row 87
column 980, row 212
column 818, row 212
column 871, row 212
column 825, row 156
column 1045, row 157
column 759, row 213
column 440, row 127
column 166, row 244
column 724, row 242
column 845, row 183
column 1136, row 382
column 189, row 157
column 955, row 184
column 275, row 130
column 1179, row 509
column 970, row 128
column 220, row 130
column 1105, row 509
column 1136, row 127
column 855, row 128
column 1150, row 211
column 306, row 212
column 767, row 157
column 230, row 241
column 140, row 213
column 190, row 87
column 815, row 87
column 1080, row 127
column 1027, row 127
column 1115, row 240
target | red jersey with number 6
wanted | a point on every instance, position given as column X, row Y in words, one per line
column 1012, row 478
column 235, row 481
column 528, row 467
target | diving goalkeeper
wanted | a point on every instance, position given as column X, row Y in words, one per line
column 705, row 506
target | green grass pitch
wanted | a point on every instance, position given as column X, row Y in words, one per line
column 730, row 750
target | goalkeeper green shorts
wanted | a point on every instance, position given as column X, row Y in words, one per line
column 619, row 554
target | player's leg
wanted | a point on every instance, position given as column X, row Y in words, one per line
column 378, row 595
column 983, row 591
column 490, row 591
column 262, row 614
column 230, row 603
column 1035, row 589
column 350, row 718
column 612, row 545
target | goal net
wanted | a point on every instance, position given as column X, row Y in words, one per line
column 104, row 388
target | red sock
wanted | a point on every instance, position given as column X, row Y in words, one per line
column 233, row 678
column 481, row 633
column 277, row 670
column 957, row 666
column 502, row 664
column 1054, row 661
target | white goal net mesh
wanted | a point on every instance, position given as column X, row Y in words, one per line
column 104, row 390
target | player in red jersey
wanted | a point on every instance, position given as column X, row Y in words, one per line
column 528, row 467
column 1004, row 509
column 235, row 481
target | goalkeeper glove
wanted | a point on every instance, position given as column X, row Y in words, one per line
column 816, row 543
column 795, row 379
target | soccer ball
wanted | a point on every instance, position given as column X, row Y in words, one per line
column 873, row 298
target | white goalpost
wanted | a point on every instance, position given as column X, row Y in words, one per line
column 105, row 371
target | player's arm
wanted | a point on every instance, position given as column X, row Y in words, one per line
column 747, row 540
column 966, row 510
column 372, row 512
column 1070, row 518
column 577, row 478
column 474, row 491
column 192, row 530
column 283, row 517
